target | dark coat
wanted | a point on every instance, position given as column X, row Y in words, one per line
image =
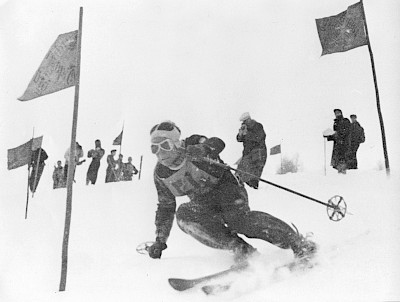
column 110, row 172
column 94, row 166
column 37, row 168
column 254, row 154
column 252, row 135
column 341, row 141
column 356, row 138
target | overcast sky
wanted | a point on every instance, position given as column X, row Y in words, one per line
column 201, row 64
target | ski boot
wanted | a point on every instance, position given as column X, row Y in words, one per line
column 304, row 249
column 243, row 252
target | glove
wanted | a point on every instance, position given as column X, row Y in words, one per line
column 156, row 249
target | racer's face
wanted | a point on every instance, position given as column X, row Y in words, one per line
column 165, row 150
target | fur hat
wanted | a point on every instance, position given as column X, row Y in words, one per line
column 244, row 116
column 166, row 129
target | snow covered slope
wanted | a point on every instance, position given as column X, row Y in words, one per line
column 358, row 260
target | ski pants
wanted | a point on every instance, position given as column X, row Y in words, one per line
column 217, row 218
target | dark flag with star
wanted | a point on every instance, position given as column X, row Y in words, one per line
column 344, row 31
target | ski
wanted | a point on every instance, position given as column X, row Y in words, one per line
column 184, row 284
column 215, row 289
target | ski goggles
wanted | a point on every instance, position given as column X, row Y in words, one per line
column 166, row 145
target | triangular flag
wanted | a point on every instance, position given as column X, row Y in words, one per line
column 118, row 139
column 58, row 69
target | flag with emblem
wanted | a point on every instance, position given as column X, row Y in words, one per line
column 344, row 31
column 58, row 69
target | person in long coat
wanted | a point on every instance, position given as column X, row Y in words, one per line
column 341, row 141
column 111, row 162
column 96, row 155
column 37, row 163
column 58, row 176
column 254, row 155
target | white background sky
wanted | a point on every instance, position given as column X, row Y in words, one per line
column 201, row 64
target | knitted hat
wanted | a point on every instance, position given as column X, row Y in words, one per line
column 166, row 129
column 244, row 116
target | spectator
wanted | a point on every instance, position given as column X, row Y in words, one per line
column 78, row 155
column 357, row 137
column 58, row 176
column 111, row 162
column 119, row 168
column 96, row 154
column 129, row 170
column 37, row 163
column 341, row 142
column 254, row 155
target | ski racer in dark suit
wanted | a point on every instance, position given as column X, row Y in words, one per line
column 218, row 209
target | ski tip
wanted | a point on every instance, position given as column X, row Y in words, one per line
column 178, row 284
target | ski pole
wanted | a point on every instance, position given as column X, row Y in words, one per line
column 335, row 211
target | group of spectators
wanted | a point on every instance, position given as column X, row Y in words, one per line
column 347, row 137
column 117, row 170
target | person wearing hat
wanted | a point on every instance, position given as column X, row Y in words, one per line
column 111, row 167
column 218, row 209
column 341, row 141
column 96, row 154
column 254, row 155
column 357, row 137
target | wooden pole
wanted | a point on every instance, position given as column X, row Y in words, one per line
column 140, row 167
column 385, row 153
column 122, row 134
column 27, row 193
column 71, row 165
column 36, row 172
column 29, row 169
column 324, row 155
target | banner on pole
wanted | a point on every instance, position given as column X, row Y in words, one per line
column 58, row 69
column 21, row 155
column 118, row 139
column 344, row 31
column 275, row 150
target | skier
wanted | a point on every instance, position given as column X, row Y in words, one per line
column 341, row 139
column 96, row 155
column 58, row 176
column 254, row 155
column 218, row 209
column 357, row 137
column 37, row 163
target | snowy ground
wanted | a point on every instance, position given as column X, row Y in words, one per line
column 358, row 258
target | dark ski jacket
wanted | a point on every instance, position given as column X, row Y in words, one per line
column 253, row 136
column 42, row 157
column 195, row 179
column 357, row 135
